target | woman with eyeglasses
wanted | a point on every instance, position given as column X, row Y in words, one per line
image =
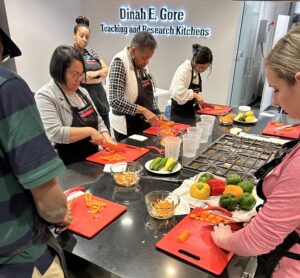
column 69, row 115
column 131, row 88
column 186, row 85
column 96, row 68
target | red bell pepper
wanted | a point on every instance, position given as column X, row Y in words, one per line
column 217, row 186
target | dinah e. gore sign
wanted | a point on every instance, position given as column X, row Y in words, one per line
column 163, row 21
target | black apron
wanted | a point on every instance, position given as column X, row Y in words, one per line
column 267, row 263
column 97, row 91
column 83, row 117
column 137, row 123
column 190, row 107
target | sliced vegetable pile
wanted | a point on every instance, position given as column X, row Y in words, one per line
column 208, row 216
column 227, row 118
column 235, row 192
column 163, row 208
column 166, row 163
column 94, row 205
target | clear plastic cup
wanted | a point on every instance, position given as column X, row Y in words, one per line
column 210, row 119
column 197, row 131
column 206, row 126
column 172, row 147
column 190, row 145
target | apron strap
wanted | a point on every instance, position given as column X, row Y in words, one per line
column 267, row 263
column 293, row 256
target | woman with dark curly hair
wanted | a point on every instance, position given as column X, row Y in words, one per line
column 95, row 66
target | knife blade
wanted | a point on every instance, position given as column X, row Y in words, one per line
column 177, row 181
column 286, row 126
column 225, row 224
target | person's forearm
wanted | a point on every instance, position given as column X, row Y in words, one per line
column 50, row 201
column 197, row 97
column 79, row 133
column 103, row 72
column 106, row 136
column 145, row 112
column 140, row 110
column 92, row 80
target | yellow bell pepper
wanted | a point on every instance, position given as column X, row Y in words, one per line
column 200, row 190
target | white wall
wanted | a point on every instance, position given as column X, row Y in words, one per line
column 38, row 26
column 221, row 15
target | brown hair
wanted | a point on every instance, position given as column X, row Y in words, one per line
column 284, row 58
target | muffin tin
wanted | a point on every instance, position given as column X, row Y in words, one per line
column 234, row 155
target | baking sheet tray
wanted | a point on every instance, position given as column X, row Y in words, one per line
column 234, row 155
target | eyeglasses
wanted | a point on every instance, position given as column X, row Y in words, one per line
column 76, row 75
column 5, row 58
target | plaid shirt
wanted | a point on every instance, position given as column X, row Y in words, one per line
column 117, row 85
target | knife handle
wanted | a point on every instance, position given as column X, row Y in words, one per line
column 74, row 189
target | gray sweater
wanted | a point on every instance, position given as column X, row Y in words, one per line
column 56, row 113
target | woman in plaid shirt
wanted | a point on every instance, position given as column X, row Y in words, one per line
column 131, row 88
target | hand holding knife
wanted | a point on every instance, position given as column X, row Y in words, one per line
column 205, row 105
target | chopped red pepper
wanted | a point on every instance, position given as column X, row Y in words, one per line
column 217, row 186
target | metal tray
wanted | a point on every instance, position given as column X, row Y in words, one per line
column 231, row 154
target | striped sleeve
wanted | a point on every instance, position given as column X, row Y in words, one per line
column 23, row 140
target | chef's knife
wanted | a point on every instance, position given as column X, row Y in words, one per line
column 172, row 180
column 240, row 223
column 286, row 126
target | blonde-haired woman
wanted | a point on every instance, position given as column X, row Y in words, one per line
column 273, row 235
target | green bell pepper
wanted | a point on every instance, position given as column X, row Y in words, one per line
column 228, row 201
column 206, row 177
column 247, row 201
column 246, row 185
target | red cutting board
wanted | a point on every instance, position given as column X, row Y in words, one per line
column 204, row 252
column 176, row 129
column 132, row 153
column 270, row 129
column 215, row 112
column 87, row 225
